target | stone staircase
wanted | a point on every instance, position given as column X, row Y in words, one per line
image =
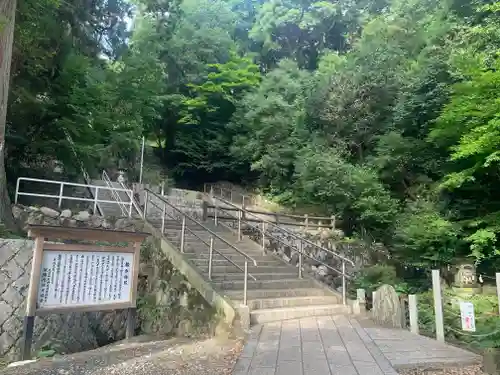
column 274, row 290
column 111, row 209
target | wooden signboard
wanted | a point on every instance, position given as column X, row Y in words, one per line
column 81, row 277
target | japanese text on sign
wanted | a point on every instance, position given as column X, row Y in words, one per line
column 467, row 316
column 84, row 278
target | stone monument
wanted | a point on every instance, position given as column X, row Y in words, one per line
column 465, row 280
column 386, row 307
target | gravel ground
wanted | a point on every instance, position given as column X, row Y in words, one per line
column 142, row 357
column 469, row 370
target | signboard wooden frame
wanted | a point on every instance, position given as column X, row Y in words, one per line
column 42, row 233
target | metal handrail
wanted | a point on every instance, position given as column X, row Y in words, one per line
column 203, row 241
column 297, row 237
column 185, row 217
column 288, row 232
column 293, row 224
column 306, row 217
column 132, row 198
column 60, row 197
column 116, row 196
column 283, row 242
column 164, row 200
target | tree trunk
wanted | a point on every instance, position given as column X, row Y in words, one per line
column 7, row 21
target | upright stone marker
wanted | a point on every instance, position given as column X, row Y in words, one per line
column 386, row 307
column 81, row 277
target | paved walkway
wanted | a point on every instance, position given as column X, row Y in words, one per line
column 340, row 345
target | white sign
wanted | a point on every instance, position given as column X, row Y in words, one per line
column 74, row 278
column 467, row 315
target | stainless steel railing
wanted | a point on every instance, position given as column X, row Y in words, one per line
column 125, row 210
column 244, row 200
column 263, row 229
column 184, row 219
column 61, row 197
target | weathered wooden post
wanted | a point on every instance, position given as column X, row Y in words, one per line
column 438, row 305
column 498, row 289
column 412, row 306
column 204, row 206
column 360, row 302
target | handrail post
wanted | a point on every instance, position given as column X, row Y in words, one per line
column 95, row 199
column 146, row 198
column 163, row 218
column 344, row 299
column 245, row 283
column 332, row 218
column 61, row 191
column 239, row 225
column 216, row 208
column 130, row 205
column 183, row 232
column 231, row 195
column 263, row 236
column 17, row 190
column 301, row 249
column 306, row 220
column 210, row 257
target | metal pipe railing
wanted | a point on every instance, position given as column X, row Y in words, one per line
column 185, row 217
column 245, row 197
column 297, row 237
column 135, row 204
column 61, row 197
column 115, row 195
column 288, row 232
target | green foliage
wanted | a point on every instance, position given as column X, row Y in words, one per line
column 373, row 277
column 382, row 112
column 422, row 236
column 487, row 334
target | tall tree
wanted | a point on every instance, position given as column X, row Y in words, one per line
column 7, row 22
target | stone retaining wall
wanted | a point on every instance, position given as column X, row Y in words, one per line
column 166, row 303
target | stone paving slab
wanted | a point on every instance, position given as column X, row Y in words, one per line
column 340, row 345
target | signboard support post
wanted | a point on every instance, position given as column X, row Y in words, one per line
column 29, row 323
column 130, row 330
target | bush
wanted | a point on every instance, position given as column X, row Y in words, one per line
column 487, row 333
column 371, row 278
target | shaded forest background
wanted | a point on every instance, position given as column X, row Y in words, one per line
column 385, row 113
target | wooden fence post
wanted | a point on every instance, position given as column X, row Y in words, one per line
column 438, row 305
column 412, row 307
column 498, row 289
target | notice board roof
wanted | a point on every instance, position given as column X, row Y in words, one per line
column 91, row 234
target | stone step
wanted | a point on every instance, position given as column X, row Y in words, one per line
column 265, row 284
column 258, row 276
column 274, row 303
column 229, row 268
column 237, row 295
column 237, row 258
column 217, row 242
column 219, row 261
column 278, row 314
column 202, row 253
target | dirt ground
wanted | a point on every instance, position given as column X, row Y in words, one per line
column 142, row 356
column 469, row 370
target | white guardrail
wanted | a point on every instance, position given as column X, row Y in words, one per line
column 116, row 195
column 60, row 197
